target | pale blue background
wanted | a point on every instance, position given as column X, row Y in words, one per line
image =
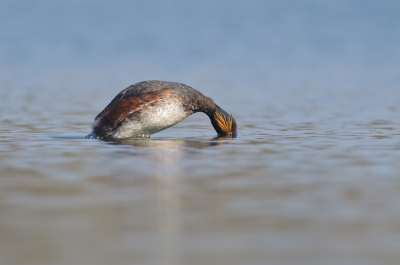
column 327, row 44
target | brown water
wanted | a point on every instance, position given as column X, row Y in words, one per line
column 303, row 183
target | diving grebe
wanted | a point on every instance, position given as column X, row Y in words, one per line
column 151, row 106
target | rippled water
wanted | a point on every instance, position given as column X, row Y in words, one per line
column 312, row 178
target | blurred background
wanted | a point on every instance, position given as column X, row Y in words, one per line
column 326, row 44
column 311, row 179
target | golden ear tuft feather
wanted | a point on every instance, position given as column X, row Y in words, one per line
column 225, row 124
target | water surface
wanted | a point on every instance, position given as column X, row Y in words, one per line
column 312, row 177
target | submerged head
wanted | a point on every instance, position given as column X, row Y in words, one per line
column 223, row 123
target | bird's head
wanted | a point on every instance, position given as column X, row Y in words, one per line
column 223, row 123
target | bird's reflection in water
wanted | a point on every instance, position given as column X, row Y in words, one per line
column 168, row 170
column 164, row 160
column 167, row 143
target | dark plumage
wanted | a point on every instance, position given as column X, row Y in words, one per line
column 151, row 106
